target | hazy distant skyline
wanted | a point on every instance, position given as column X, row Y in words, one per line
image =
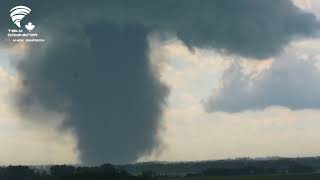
column 219, row 104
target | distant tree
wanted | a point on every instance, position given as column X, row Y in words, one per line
column 18, row 173
column 149, row 174
column 298, row 168
column 62, row 170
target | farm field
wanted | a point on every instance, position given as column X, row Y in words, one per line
column 266, row 177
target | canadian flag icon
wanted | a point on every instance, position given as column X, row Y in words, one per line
column 30, row 26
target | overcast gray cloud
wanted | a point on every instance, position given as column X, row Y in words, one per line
column 290, row 82
column 99, row 75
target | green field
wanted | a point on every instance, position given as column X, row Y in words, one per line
column 269, row 177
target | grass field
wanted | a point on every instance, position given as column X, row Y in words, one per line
column 269, row 177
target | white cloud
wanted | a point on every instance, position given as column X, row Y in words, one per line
column 21, row 140
column 309, row 5
column 185, row 70
column 190, row 133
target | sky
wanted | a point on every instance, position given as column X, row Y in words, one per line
column 200, row 97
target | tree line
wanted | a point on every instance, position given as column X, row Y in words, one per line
column 66, row 172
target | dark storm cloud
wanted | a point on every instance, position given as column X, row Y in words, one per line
column 102, row 80
column 290, row 82
column 100, row 76
column 254, row 28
